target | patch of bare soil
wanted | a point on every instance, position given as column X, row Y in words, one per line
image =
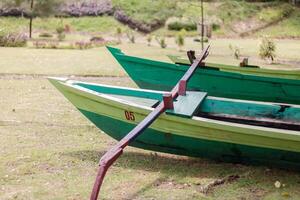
column 246, row 26
column 210, row 186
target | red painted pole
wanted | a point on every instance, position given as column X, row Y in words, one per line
column 113, row 154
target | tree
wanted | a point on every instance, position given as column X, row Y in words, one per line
column 119, row 34
column 267, row 49
column 42, row 8
column 180, row 39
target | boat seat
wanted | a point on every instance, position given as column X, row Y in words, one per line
column 186, row 106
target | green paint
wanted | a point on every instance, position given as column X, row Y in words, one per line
column 171, row 143
column 186, row 106
column 185, row 136
column 249, row 69
column 157, row 75
column 118, row 91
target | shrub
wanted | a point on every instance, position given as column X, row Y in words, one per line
column 131, row 36
column 83, row 45
column 205, row 39
column 45, row 35
column 119, row 34
column 178, row 24
column 236, row 51
column 98, row 41
column 161, row 41
column 149, row 39
column 13, row 40
column 215, row 26
column 60, row 33
column 46, row 44
column 180, row 39
column 267, row 49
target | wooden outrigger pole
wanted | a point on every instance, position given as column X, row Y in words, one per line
column 113, row 154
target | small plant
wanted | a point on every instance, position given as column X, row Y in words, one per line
column 180, row 40
column 205, row 39
column 67, row 28
column 267, row 49
column 83, row 45
column 60, row 33
column 46, row 45
column 161, row 41
column 236, row 51
column 45, row 35
column 177, row 24
column 53, row 45
column 149, row 39
column 13, row 39
column 40, row 44
column 119, row 34
column 131, row 36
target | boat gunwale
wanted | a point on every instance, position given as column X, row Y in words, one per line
column 212, row 122
column 164, row 92
column 244, row 69
column 161, row 64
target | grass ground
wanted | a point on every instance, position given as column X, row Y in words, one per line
column 98, row 61
column 50, row 151
column 89, row 25
column 230, row 18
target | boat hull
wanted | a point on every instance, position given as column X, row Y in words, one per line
column 252, row 70
column 197, row 137
column 149, row 74
column 159, row 141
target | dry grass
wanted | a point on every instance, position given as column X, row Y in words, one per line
column 50, row 151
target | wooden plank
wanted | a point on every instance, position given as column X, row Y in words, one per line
column 187, row 105
column 112, row 155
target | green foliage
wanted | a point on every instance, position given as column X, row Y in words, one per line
column 149, row 39
column 181, row 23
column 45, row 35
column 119, row 33
column 275, row 13
column 199, row 39
column 236, row 10
column 267, row 49
column 215, row 26
column 46, row 44
column 161, row 41
column 60, row 30
column 83, row 45
column 147, row 10
column 131, row 36
column 180, row 39
column 60, row 33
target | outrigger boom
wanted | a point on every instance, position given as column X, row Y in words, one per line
column 113, row 154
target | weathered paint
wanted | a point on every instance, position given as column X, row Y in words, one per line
column 157, row 75
column 254, row 70
column 188, row 136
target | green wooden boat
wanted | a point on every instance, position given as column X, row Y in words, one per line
column 248, row 69
column 267, row 133
column 156, row 75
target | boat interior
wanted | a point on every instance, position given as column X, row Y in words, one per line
column 273, row 115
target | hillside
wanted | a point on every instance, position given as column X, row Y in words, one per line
column 227, row 18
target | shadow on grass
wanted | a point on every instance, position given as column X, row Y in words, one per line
column 172, row 167
column 178, row 166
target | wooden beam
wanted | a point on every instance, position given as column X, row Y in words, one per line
column 112, row 155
